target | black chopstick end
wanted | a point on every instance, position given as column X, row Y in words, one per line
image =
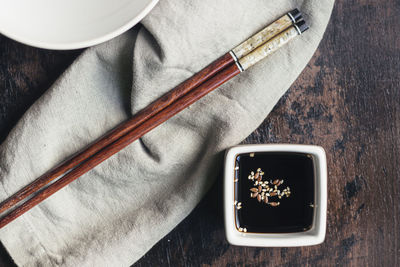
column 302, row 26
column 295, row 15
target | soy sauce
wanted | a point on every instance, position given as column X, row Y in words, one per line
column 295, row 212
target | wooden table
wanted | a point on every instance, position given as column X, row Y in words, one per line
column 346, row 100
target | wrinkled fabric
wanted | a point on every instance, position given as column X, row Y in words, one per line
column 116, row 212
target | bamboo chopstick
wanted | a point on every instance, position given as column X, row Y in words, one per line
column 150, row 122
column 238, row 52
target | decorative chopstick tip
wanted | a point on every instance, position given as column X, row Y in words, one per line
column 266, row 34
column 272, row 45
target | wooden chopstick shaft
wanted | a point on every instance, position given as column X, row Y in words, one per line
column 119, row 131
column 238, row 52
column 149, row 124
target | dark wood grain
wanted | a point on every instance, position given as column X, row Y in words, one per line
column 347, row 100
column 151, row 110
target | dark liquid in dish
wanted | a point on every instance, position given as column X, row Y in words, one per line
column 295, row 213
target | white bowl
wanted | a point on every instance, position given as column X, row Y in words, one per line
column 315, row 235
column 71, row 24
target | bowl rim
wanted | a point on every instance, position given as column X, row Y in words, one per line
column 84, row 43
column 314, row 236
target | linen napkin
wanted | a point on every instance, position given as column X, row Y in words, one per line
column 115, row 213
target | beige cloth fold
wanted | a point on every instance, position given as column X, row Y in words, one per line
column 115, row 213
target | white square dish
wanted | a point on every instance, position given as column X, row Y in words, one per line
column 312, row 235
